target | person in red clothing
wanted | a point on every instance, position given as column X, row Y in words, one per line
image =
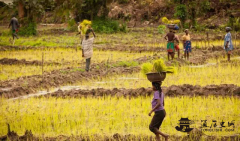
column 176, row 43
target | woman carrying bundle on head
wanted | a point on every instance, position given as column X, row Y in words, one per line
column 158, row 109
column 87, row 44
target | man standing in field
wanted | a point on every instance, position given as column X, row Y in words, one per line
column 15, row 25
column 228, row 46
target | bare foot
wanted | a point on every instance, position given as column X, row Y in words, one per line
column 157, row 138
column 166, row 137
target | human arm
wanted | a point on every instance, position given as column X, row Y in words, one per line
column 82, row 53
column 93, row 33
column 177, row 39
column 166, row 37
column 183, row 41
column 154, row 108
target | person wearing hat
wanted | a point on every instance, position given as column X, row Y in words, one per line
column 158, row 109
column 228, row 46
column 186, row 44
column 170, row 37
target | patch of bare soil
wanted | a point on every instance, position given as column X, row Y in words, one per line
column 194, row 135
column 182, row 90
column 29, row 84
column 9, row 61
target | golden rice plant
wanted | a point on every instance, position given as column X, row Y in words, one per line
column 84, row 25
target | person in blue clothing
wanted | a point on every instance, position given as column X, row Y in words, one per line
column 228, row 45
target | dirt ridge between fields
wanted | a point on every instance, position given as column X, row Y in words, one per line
column 11, row 61
column 30, row 84
column 109, row 47
column 195, row 135
column 174, row 90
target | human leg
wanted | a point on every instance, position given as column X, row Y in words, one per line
column 88, row 61
column 178, row 51
column 187, row 55
column 156, row 123
column 172, row 55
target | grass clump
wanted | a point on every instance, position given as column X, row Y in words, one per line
column 29, row 29
column 126, row 64
column 157, row 66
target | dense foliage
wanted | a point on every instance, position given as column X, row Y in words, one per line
column 108, row 26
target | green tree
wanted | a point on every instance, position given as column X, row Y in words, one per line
column 181, row 13
column 29, row 11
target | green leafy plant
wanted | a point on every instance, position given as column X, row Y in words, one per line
column 104, row 25
column 126, row 64
column 72, row 26
column 234, row 23
column 161, row 29
column 181, row 12
column 29, row 29
column 123, row 1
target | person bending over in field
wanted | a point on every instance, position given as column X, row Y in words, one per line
column 186, row 44
column 89, row 50
column 15, row 25
column 170, row 37
column 158, row 109
column 228, row 46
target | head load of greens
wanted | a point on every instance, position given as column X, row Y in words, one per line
column 157, row 66
column 84, row 24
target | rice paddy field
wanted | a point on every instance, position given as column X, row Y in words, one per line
column 50, row 61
